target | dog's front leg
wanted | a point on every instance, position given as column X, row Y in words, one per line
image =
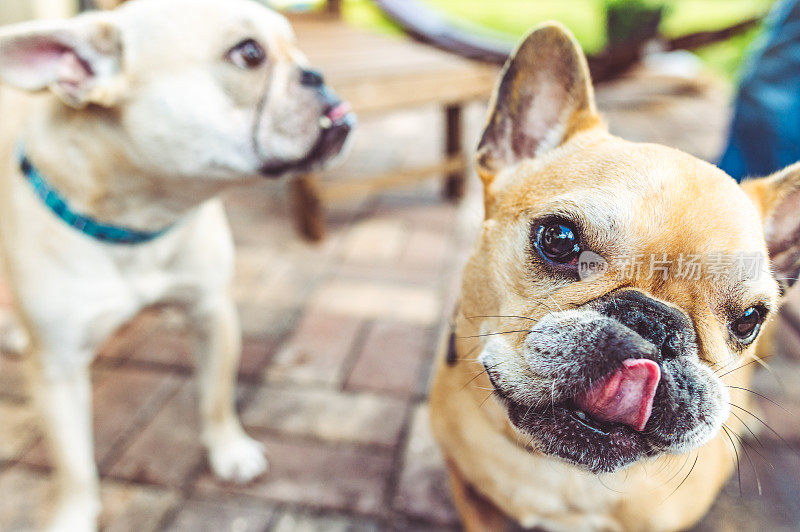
column 233, row 455
column 65, row 405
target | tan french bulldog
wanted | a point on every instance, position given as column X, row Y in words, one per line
column 119, row 131
column 594, row 379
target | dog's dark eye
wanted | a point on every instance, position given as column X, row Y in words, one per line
column 247, row 54
column 558, row 241
column 747, row 326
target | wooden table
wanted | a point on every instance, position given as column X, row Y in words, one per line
column 379, row 74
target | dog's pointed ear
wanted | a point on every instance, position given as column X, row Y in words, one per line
column 545, row 96
column 79, row 60
column 778, row 199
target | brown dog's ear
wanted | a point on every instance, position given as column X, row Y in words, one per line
column 544, row 96
column 78, row 59
column 778, row 199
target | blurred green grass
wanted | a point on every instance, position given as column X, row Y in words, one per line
column 586, row 18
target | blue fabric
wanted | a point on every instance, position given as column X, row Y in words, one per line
column 110, row 234
column 765, row 131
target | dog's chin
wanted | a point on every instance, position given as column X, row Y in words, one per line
column 565, row 432
column 330, row 146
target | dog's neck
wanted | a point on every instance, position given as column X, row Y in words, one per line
column 99, row 179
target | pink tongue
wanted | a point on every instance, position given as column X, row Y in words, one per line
column 625, row 396
column 339, row 111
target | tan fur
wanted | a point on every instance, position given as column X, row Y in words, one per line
column 652, row 199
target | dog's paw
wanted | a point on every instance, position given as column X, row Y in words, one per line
column 75, row 515
column 238, row 458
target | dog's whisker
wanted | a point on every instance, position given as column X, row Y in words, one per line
column 749, row 459
column 671, row 467
column 788, row 445
column 760, row 455
column 666, row 463
column 609, row 488
column 556, row 302
column 726, row 364
column 511, row 316
column 723, row 365
column 762, row 362
column 529, row 445
column 736, row 452
column 743, row 366
column 495, row 333
column 542, row 302
column 678, row 472
column 752, row 465
column 686, row 477
column 486, row 399
column 748, row 429
column 766, row 366
column 763, row 397
column 481, row 372
column 500, row 316
column 471, row 352
column 726, row 443
column 744, row 442
column 468, row 360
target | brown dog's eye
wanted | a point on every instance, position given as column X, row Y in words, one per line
column 747, row 326
column 558, row 242
column 247, row 54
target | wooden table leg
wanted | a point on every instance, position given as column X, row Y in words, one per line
column 454, row 182
column 309, row 214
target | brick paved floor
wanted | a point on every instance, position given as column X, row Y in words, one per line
column 339, row 339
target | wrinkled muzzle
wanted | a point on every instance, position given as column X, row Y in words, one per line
column 610, row 382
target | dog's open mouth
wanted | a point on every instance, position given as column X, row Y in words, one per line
column 623, row 396
column 603, row 427
column 335, row 125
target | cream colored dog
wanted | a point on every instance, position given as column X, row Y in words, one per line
column 581, row 391
column 119, row 131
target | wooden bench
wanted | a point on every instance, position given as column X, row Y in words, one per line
column 380, row 74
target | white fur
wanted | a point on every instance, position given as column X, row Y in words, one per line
column 181, row 133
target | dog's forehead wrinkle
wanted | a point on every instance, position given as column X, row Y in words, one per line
column 652, row 180
column 600, row 212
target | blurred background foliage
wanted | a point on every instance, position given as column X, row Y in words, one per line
column 587, row 19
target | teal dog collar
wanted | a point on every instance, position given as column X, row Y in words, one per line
column 110, row 234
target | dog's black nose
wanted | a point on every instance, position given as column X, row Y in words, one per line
column 311, row 78
column 666, row 327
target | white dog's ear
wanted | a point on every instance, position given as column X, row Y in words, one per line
column 545, row 96
column 79, row 60
column 778, row 199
